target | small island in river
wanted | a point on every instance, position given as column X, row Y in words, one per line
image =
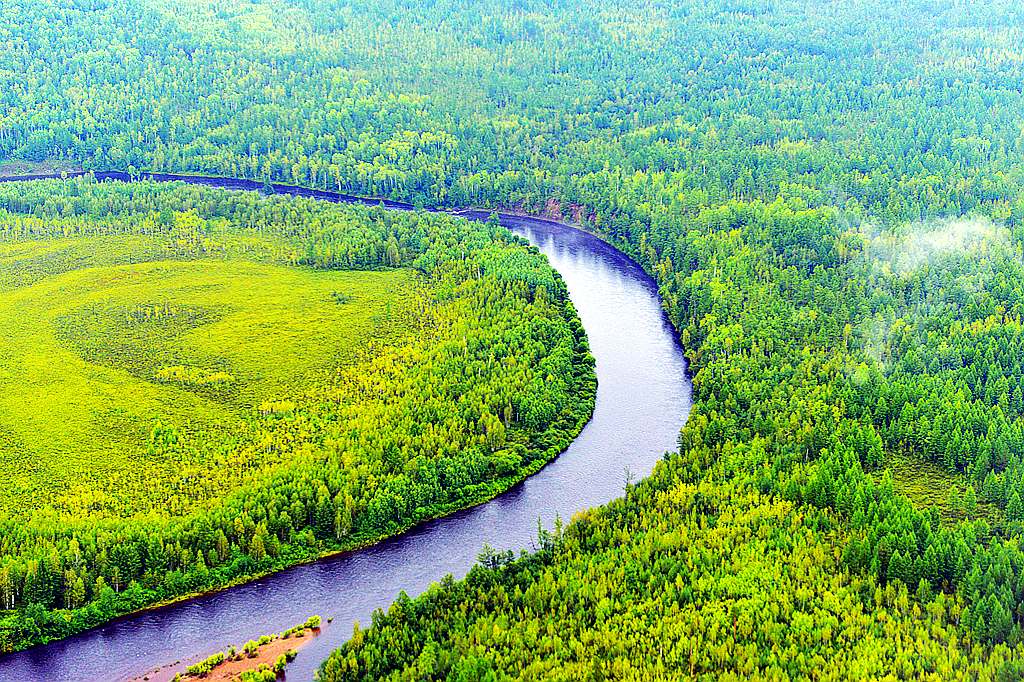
column 257, row 660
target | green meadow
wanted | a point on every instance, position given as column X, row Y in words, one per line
column 100, row 362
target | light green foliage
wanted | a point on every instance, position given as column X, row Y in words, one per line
column 99, row 362
column 263, row 674
column 653, row 590
column 255, row 386
column 204, row 667
column 312, row 623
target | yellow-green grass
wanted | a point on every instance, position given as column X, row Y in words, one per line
column 93, row 358
column 928, row 484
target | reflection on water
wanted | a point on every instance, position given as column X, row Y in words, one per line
column 642, row 401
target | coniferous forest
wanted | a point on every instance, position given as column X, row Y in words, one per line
column 829, row 195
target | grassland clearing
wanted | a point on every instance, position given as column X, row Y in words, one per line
column 99, row 363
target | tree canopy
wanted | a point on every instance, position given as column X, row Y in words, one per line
column 829, row 196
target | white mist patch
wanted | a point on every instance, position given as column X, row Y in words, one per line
column 960, row 254
column 925, row 243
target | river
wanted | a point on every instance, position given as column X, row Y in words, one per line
column 643, row 399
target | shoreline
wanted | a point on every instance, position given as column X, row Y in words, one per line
column 229, row 669
column 247, row 185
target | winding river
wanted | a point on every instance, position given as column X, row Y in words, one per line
column 643, row 399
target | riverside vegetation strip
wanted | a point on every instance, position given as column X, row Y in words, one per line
column 208, row 385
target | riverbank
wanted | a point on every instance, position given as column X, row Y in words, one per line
column 542, row 446
column 267, row 652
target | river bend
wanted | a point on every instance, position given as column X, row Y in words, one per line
column 643, row 399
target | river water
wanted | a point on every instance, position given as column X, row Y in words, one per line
column 643, row 399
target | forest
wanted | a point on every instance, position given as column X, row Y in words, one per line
column 376, row 395
column 829, row 195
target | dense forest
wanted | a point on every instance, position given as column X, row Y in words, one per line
column 474, row 378
column 776, row 543
column 829, row 195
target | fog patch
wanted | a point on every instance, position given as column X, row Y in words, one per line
column 918, row 244
column 952, row 259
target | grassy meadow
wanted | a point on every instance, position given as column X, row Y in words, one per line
column 931, row 486
column 103, row 363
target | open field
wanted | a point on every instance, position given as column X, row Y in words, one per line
column 927, row 484
column 15, row 167
column 100, row 366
